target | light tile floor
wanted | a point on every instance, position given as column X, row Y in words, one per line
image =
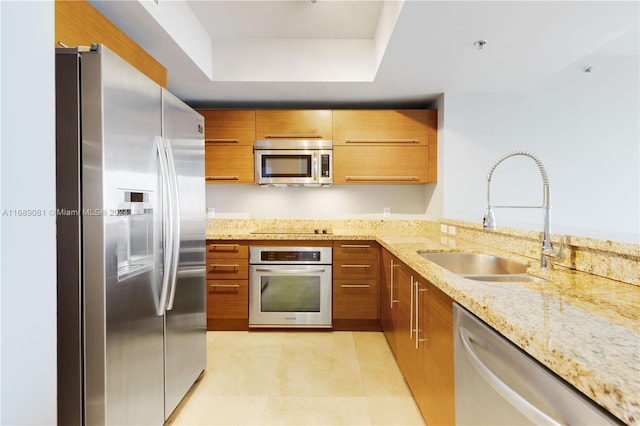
column 299, row 378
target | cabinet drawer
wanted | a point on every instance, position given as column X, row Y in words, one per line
column 355, row 299
column 353, row 249
column 227, row 269
column 227, row 299
column 226, row 250
column 355, row 269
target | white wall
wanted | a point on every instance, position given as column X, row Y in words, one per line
column 585, row 129
column 27, row 249
column 335, row 202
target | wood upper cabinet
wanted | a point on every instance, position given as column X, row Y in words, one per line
column 389, row 127
column 229, row 136
column 385, row 146
column 294, row 124
column 381, row 164
column 227, row 285
column 355, row 280
column 229, row 127
column 78, row 23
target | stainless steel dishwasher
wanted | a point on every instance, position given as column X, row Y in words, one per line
column 499, row 384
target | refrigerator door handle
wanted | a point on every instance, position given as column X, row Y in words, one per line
column 175, row 249
column 167, row 220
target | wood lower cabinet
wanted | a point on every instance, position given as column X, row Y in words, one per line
column 227, row 286
column 229, row 136
column 418, row 325
column 355, row 285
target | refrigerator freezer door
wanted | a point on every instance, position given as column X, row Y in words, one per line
column 185, row 318
column 121, row 113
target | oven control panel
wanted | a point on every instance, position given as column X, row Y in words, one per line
column 290, row 255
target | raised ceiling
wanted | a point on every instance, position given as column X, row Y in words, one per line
column 355, row 53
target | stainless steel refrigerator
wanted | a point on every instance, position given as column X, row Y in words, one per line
column 130, row 243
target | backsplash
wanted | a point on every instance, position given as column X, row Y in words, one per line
column 609, row 259
column 613, row 260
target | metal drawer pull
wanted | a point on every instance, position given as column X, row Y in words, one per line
column 289, row 136
column 382, row 141
column 355, row 266
column 355, row 286
column 222, row 265
column 383, row 178
column 222, row 140
column 355, row 245
column 225, row 285
column 223, row 178
column 225, row 246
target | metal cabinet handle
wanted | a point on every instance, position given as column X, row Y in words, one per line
column 411, row 314
column 224, row 266
column 417, row 298
column 382, row 178
column 225, row 285
column 226, row 247
column 222, row 140
column 355, row 246
column 392, row 279
column 222, row 178
column 293, row 135
column 398, row 141
column 355, row 286
column 355, row 266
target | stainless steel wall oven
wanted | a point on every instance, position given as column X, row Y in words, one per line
column 290, row 286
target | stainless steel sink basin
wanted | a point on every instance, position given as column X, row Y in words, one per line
column 481, row 267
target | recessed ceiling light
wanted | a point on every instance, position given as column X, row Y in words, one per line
column 480, row 44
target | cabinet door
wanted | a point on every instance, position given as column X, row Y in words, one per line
column 388, row 303
column 294, row 124
column 229, row 127
column 438, row 359
column 355, row 299
column 393, row 127
column 381, row 164
column 229, row 164
column 227, row 299
column 404, row 327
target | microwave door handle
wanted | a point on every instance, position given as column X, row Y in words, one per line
column 315, row 167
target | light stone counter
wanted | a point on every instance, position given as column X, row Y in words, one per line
column 584, row 327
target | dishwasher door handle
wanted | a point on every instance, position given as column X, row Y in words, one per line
column 517, row 400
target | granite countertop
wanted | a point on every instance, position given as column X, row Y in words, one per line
column 583, row 327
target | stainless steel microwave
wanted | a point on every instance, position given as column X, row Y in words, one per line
column 283, row 162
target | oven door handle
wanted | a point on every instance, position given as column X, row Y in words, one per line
column 290, row 271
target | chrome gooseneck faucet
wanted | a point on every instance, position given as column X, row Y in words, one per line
column 489, row 221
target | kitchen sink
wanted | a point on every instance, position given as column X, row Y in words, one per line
column 481, row 267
